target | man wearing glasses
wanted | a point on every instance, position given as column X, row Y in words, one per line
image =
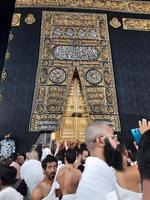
column 98, row 180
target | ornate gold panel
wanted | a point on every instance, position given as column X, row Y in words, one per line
column 136, row 24
column 76, row 117
column 130, row 6
column 80, row 42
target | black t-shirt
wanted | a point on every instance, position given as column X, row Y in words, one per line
column 81, row 168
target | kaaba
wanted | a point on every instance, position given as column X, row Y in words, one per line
column 69, row 63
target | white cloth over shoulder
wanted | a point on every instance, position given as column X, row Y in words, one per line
column 98, row 181
column 32, row 173
column 128, row 194
column 69, row 197
column 52, row 194
column 10, row 193
column 46, row 151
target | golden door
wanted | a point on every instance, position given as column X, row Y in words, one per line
column 75, row 118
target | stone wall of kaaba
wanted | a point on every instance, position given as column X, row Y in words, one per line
column 129, row 41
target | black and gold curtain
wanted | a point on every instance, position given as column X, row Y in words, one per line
column 129, row 38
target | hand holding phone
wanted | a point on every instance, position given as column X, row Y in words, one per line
column 136, row 134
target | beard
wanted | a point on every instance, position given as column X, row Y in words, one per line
column 82, row 162
column 113, row 156
column 52, row 176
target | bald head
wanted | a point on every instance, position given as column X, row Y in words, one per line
column 34, row 155
column 94, row 130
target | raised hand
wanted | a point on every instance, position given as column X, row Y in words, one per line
column 144, row 125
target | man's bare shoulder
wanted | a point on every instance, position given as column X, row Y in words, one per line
column 134, row 172
column 77, row 171
column 69, row 171
column 37, row 193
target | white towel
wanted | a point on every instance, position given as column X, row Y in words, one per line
column 128, row 194
column 69, row 197
column 97, row 181
column 10, row 193
column 52, row 194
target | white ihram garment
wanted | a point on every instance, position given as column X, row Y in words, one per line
column 46, row 151
column 98, row 181
column 128, row 194
column 52, row 195
column 69, row 197
column 32, row 172
column 10, row 193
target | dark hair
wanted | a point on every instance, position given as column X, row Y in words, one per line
column 81, row 150
column 122, row 148
column 143, row 156
column 6, row 161
column 70, row 156
column 38, row 149
column 83, row 146
column 48, row 159
column 23, row 154
column 7, row 133
column 13, row 156
column 7, row 175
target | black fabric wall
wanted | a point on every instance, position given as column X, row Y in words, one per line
column 18, row 88
column 6, row 12
column 131, row 61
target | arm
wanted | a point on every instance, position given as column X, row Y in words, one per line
column 144, row 125
column 37, row 194
column 57, row 148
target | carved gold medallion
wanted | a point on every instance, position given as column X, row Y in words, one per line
column 7, row 55
column 30, row 19
column 115, row 23
column 16, row 19
column 4, row 75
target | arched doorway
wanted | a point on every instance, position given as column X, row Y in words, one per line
column 75, row 118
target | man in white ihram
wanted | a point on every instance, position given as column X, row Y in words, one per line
column 98, row 180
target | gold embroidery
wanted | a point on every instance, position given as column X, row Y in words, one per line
column 11, row 36
column 63, row 50
column 136, row 24
column 16, row 19
column 4, row 75
column 30, row 19
column 7, row 55
column 115, row 23
column 1, row 96
column 130, row 6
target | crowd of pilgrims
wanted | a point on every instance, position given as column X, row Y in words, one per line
column 102, row 168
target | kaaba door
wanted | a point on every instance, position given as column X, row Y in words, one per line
column 74, row 69
column 75, row 118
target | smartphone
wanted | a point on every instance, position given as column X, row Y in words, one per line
column 136, row 135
